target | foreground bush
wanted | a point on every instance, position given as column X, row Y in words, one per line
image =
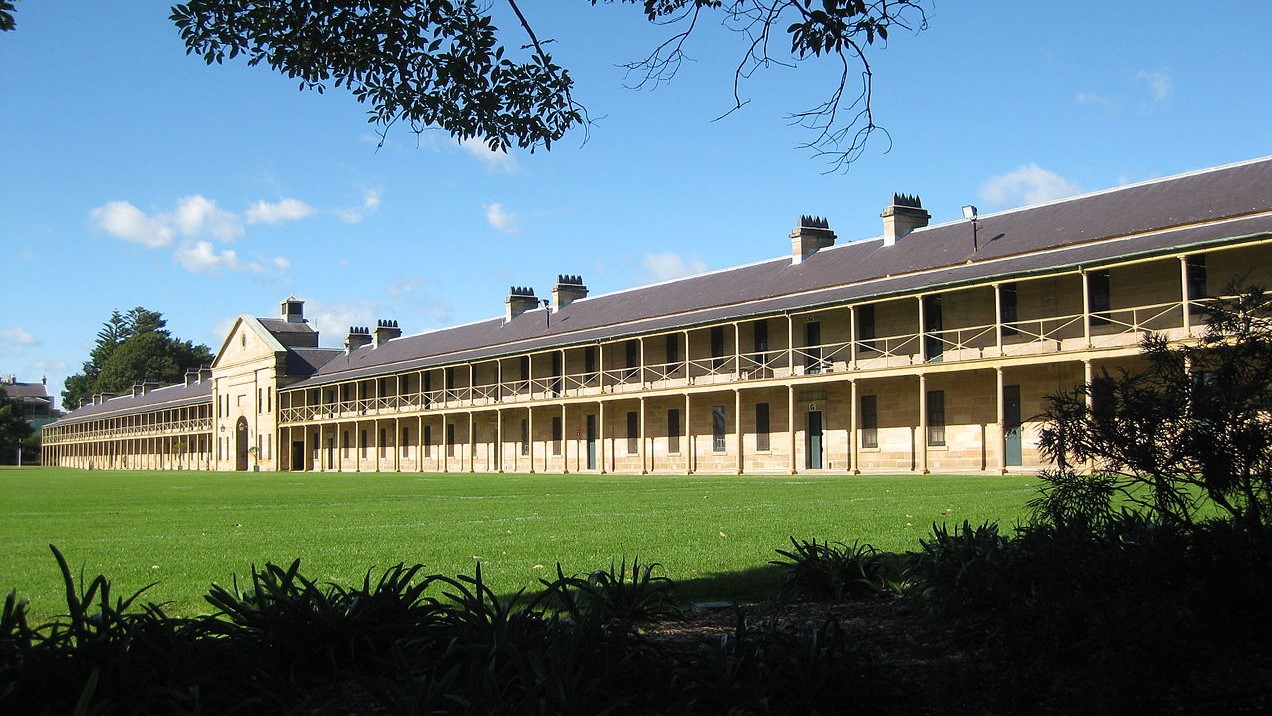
column 1129, row 616
column 411, row 643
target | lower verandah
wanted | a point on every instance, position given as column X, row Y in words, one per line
column 978, row 420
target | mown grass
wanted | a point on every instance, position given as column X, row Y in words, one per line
column 713, row 535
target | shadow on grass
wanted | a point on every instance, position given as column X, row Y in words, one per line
column 749, row 585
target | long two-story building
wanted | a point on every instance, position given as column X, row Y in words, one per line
column 925, row 349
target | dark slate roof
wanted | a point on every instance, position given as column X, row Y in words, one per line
column 281, row 325
column 304, row 362
column 1190, row 210
column 172, row 396
column 29, row 393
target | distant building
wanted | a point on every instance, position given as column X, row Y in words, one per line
column 37, row 406
column 925, row 349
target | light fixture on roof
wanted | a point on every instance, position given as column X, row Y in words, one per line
column 969, row 213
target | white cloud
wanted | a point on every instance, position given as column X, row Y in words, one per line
column 1030, row 184
column 405, row 287
column 125, row 221
column 495, row 162
column 17, row 335
column 502, row 219
column 197, row 216
column 332, row 320
column 263, row 212
column 201, row 257
column 669, row 265
column 281, row 263
column 1091, row 98
column 370, row 204
column 50, row 365
column 1160, row 84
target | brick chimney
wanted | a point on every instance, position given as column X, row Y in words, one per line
column 812, row 235
column 520, row 299
column 903, row 215
column 386, row 331
column 567, row 290
column 358, row 336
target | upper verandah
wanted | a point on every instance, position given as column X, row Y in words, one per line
column 1157, row 216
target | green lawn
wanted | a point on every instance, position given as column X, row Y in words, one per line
column 713, row 535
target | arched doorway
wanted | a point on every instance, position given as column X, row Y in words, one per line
column 240, row 445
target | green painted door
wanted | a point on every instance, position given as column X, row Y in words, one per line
column 813, row 459
column 1011, row 426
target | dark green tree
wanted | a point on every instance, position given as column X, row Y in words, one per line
column 150, row 355
column 445, row 64
column 132, row 347
column 15, row 431
column 1194, row 426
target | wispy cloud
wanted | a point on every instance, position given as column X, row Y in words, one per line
column 125, row 221
column 370, row 204
column 18, row 336
column 1030, row 184
column 263, row 212
column 1160, row 84
column 196, row 217
column 668, row 265
column 494, row 162
column 199, row 216
column 199, row 222
column 502, row 219
column 201, row 257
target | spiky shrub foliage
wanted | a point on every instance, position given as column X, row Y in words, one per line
column 826, row 570
column 620, row 595
column 104, row 653
column 766, row 667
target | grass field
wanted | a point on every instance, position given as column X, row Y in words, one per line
column 713, row 535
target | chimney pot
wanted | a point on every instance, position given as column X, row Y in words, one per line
column 568, row 289
column 812, row 235
column 903, row 215
column 386, row 331
column 358, row 336
column 520, row 299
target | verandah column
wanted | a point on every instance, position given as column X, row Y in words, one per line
column 1183, row 292
column 445, row 445
column 499, row 444
column 472, row 436
column 737, row 423
column 998, row 318
column 1086, row 309
column 689, row 441
column 600, row 434
column 530, row 434
column 565, row 446
column 1000, row 441
column 923, row 425
column 790, row 423
column 853, row 409
column 643, row 463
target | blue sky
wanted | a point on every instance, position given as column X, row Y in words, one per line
column 132, row 174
